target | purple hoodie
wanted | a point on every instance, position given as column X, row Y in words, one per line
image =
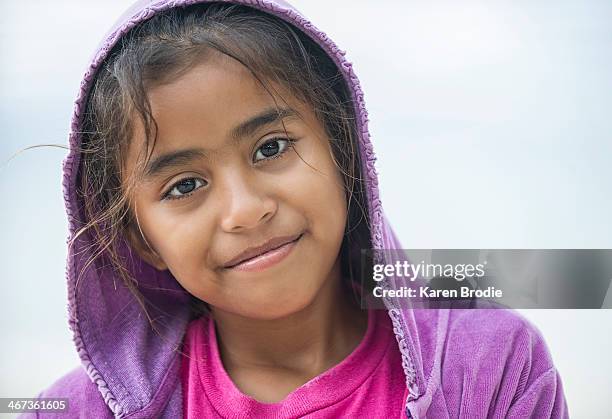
column 457, row 363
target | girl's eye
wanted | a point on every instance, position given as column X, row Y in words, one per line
column 184, row 188
column 272, row 149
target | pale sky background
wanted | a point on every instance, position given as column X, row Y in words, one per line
column 491, row 122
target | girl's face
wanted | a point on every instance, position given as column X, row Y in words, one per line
column 223, row 178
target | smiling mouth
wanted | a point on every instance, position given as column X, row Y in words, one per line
column 266, row 259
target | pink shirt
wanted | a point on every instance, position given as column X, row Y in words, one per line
column 367, row 383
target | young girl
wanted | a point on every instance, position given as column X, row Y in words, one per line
column 220, row 188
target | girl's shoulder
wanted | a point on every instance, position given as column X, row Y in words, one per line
column 492, row 359
column 498, row 335
column 477, row 333
column 84, row 398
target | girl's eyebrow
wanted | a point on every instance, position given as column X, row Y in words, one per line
column 267, row 117
column 242, row 130
column 173, row 159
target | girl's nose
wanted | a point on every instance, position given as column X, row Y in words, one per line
column 246, row 205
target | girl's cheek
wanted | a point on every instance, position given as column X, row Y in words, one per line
column 182, row 238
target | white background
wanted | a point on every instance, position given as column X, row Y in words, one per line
column 490, row 119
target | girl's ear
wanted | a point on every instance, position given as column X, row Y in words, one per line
column 141, row 246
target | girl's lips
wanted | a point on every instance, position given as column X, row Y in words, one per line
column 265, row 260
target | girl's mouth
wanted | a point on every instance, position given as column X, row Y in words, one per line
column 267, row 259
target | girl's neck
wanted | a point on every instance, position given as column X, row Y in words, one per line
column 306, row 343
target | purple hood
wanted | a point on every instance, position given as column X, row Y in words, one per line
column 456, row 363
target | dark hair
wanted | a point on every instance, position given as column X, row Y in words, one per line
column 159, row 51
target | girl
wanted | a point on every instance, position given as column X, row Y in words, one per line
column 220, row 187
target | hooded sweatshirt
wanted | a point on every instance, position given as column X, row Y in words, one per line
column 456, row 363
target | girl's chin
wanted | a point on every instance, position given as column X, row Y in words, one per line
column 266, row 308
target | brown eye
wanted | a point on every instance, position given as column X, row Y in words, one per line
column 184, row 187
column 271, row 149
